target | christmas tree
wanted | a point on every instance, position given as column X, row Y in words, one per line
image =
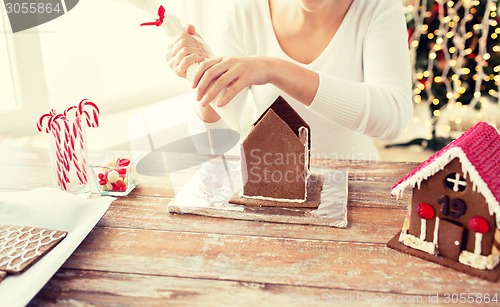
column 455, row 53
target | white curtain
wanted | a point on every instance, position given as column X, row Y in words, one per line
column 8, row 100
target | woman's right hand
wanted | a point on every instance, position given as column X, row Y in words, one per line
column 185, row 50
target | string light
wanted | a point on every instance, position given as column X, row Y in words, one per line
column 452, row 45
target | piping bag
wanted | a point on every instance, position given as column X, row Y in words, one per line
column 173, row 26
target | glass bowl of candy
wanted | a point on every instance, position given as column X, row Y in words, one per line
column 114, row 173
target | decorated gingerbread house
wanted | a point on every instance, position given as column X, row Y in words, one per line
column 275, row 161
column 454, row 213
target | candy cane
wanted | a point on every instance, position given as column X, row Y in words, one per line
column 51, row 125
column 40, row 123
column 62, row 165
column 92, row 121
column 81, row 173
column 54, row 124
column 64, row 140
column 68, row 138
column 77, row 135
column 80, row 168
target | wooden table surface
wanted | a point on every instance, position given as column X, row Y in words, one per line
column 139, row 254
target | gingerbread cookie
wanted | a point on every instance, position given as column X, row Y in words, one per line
column 22, row 246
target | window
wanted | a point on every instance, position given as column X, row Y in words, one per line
column 22, row 86
column 455, row 182
column 98, row 51
column 8, row 101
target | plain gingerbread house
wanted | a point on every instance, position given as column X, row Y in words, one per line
column 276, row 155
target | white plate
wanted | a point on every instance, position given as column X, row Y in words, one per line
column 53, row 209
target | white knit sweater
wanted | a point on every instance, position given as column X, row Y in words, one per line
column 365, row 79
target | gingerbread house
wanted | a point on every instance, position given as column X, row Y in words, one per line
column 275, row 161
column 454, row 212
column 276, row 155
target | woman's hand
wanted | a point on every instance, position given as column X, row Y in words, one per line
column 185, row 50
column 233, row 73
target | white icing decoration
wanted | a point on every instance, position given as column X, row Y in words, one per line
column 402, row 236
column 276, row 199
column 478, row 261
column 417, row 243
column 15, row 241
column 478, row 184
column 436, row 230
column 423, row 229
column 306, row 155
column 404, row 229
column 478, row 242
column 456, row 182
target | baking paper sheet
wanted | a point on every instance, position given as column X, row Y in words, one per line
column 48, row 208
column 210, row 186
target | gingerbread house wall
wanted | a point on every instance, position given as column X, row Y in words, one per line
column 274, row 160
column 431, row 191
column 496, row 243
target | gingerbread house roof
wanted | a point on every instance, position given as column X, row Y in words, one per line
column 478, row 150
column 287, row 113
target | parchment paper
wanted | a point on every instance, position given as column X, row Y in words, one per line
column 48, row 208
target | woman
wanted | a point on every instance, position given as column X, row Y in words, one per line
column 342, row 64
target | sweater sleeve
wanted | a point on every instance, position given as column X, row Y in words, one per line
column 227, row 44
column 381, row 105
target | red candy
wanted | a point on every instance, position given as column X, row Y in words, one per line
column 479, row 224
column 122, row 171
column 118, row 185
column 425, row 211
column 122, row 162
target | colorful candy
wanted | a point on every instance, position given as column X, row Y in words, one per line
column 425, row 211
column 479, row 224
column 115, row 177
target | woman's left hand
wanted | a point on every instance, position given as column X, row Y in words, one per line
column 233, row 73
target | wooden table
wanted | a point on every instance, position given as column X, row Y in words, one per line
column 139, row 254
